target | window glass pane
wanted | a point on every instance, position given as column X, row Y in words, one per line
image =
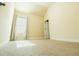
column 21, row 24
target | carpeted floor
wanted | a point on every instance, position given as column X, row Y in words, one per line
column 40, row 48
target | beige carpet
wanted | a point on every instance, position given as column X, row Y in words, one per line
column 40, row 48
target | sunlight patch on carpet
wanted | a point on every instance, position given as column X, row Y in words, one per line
column 20, row 44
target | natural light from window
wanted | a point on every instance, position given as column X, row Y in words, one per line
column 21, row 24
column 20, row 44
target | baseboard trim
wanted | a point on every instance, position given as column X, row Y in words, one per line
column 68, row 39
column 36, row 38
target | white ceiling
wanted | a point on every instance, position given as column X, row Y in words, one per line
column 38, row 8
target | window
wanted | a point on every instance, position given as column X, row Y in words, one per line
column 20, row 28
column 20, row 24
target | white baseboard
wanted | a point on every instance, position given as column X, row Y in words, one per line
column 68, row 39
column 36, row 38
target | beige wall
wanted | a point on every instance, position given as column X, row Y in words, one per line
column 64, row 21
column 6, row 15
column 35, row 25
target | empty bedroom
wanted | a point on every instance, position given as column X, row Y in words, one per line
column 39, row 28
